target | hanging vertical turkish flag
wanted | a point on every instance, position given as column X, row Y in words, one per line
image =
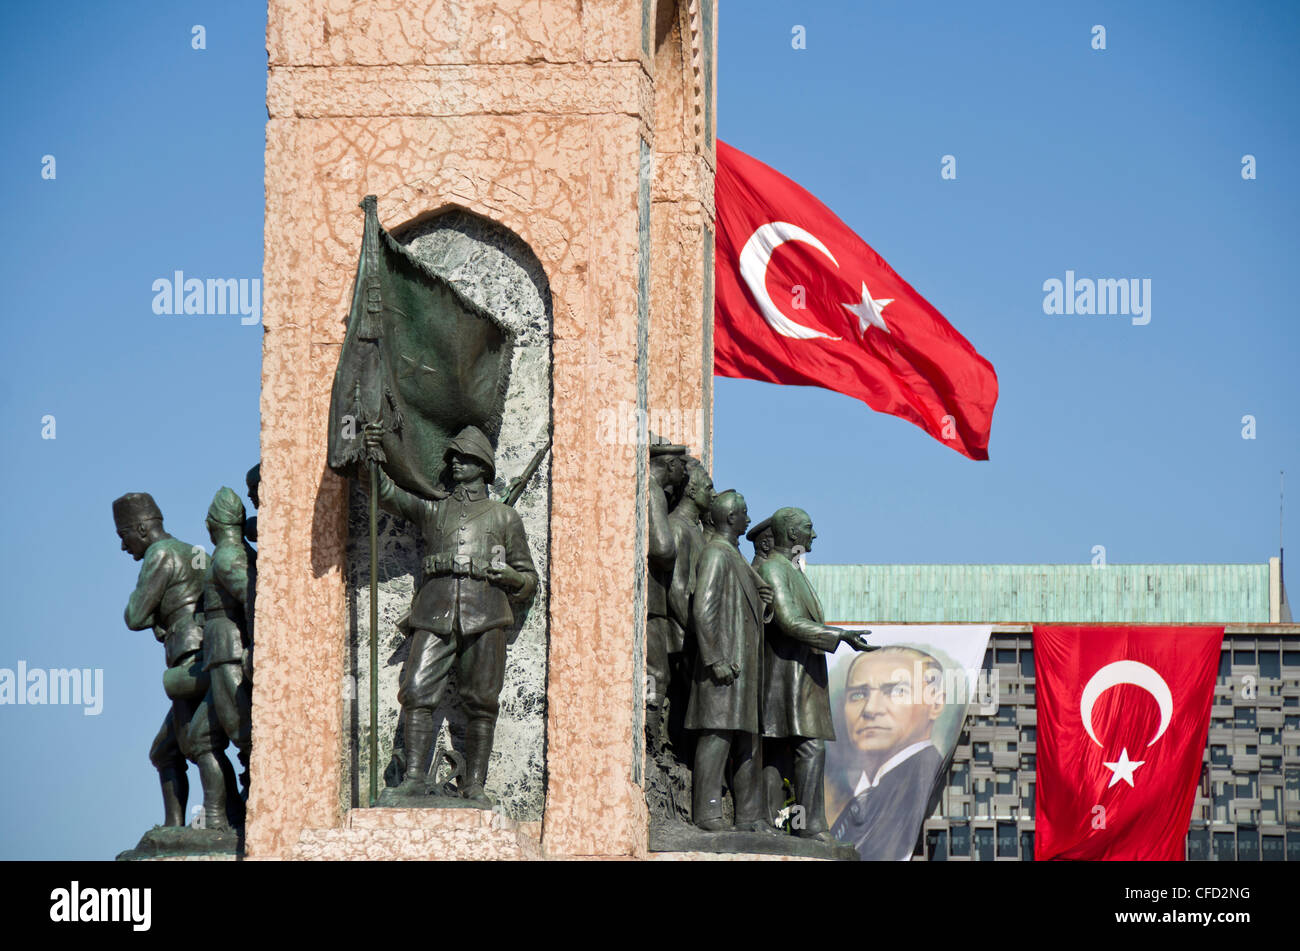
column 802, row 300
column 1123, row 713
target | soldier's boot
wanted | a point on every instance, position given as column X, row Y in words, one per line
column 175, row 792
column 418, row 733
column 478, row 748
column 235, row 805
column 214, row 793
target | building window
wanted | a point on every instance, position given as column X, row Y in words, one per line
column 936, row 845
column 1026, row 662
column 1223, row 848
column 1243, row 718
column 1218, row 755
column 1221, row 798
column 1270, row 805
column 984, row 844
column 1007, row 839
column 1273, row 849
column 1198, row 845
column 959, row 779
column 981, row 753
column 1027, row 846
column 959, row 834
column 1270, row 664
column 1247, row 844
column 1006, row 782
column 1293, row 845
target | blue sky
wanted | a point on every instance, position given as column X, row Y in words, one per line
column 1119, row 163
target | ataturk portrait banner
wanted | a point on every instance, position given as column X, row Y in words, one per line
column 898, row 714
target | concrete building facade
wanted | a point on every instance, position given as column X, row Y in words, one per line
column 1248, row 803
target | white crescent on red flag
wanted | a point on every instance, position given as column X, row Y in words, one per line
column 802, row 300
column 1123, row 714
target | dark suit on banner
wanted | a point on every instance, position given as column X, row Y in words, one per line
column 883, row 820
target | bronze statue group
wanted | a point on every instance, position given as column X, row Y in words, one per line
column 200, row 608
column 736, row 674
column 735, row 650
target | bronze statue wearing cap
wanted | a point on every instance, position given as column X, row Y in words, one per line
column 253, row 481
column 228, row 596
column 166, row 599
column 760, row 536
column 477, row 566
column 667, row 479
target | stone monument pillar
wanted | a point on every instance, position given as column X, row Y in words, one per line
column 557, row 159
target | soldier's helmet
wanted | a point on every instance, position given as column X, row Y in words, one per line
column 133, row 508
column 226, row 509
column 470, row 441
column 759, row 529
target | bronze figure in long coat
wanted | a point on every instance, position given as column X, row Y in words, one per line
column 727, row 613
column 796, row 704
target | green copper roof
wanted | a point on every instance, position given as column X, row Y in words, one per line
column 1010, row 594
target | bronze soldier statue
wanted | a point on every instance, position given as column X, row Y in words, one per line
column 796, row 709
column 761, row 538
column 688, row 541
column 253, row 481
column 477, row 564
column 166, row 598
column 727, row 613
column 667, row 477
column 228, row 596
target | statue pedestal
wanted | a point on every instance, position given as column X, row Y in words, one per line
column 688, row 840
column 422, row 835
column 184, row 842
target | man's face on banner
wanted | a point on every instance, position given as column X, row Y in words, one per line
column 887, row 705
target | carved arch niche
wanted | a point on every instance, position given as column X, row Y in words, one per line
column 496, row 270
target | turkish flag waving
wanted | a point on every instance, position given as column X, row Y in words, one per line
column 1123, row 713
column 802, row 300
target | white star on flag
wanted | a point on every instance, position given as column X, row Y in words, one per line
column 869, row 310
column 1122, row 769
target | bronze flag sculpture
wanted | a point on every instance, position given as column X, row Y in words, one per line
column 418, row 398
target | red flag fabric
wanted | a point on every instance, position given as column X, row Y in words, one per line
column 802, row 300
column 1123, row 714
